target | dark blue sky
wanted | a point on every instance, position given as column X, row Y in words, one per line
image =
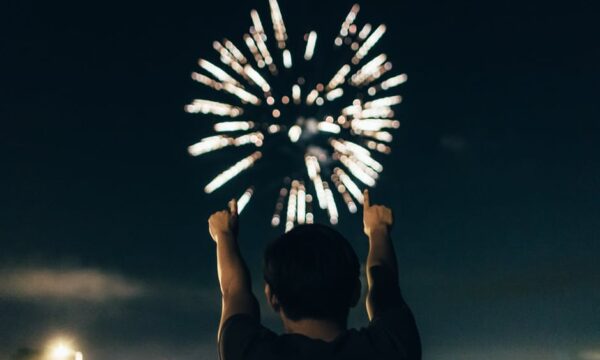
column 494, row 175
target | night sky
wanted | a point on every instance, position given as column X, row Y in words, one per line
column 494, row 175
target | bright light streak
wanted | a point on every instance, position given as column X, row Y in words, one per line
column 350, row 185
column 321, row 196
column 242, row 94
column 328, row 127
column 209, row 144
column 226, row 55
column 339, row 146
column 260, row 62
column 357, row 171
column 368, row 161
column 386, row 101
column 301, row 204
column 233, row 126
column 356, row 153
column 393, row 81
column 265, row 53
column 310, row 45
column 368, row 70
column 352, row 110
column 331, row 208
column 235, row 51
column 205, row 80
column 213, row 107
column 339, row 77
column 278, row 25
column 313, row 169
column 374, row 124
column 244, row 199
column 296, row 94
column 233, row 64
column 291, row 208
column 287, row 59
column 366, row 169
column 347, row 147
column 312, row 166
column 334, row 94
column 379, row 135
column 345, row 195
column 365, row 31
column 294, row 133
column 369, row 43
column 382, row 148
column 312, row 96
column 256, row 22
column 260, row 38
column 349, row 20
column 276, row 219
column 376, row 112
column 217, row 72
column 355, row 148
column 78, row 355
column 255, row 138
column 257, row 78
column 233, row 171
column 376, row 74
column 373, row 64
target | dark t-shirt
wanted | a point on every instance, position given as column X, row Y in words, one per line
column 392, row 334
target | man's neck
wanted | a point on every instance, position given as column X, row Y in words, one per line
column 326, row 330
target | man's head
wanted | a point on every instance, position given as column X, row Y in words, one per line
column 312, row 272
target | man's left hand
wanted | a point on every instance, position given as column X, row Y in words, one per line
column 224, row 223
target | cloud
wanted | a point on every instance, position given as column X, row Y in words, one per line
column 107, row 314
column 66, row 284
column 590, row 355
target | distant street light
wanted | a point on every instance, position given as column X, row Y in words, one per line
column 62, row 351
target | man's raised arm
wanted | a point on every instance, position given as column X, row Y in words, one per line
column 385, row 304
column 234, row 277
column 382, row 268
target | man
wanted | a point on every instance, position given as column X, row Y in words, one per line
column 312, row 281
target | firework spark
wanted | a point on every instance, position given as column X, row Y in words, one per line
column 336, row 127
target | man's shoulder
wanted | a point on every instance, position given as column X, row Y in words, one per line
column 241, row 335
column 245, row 338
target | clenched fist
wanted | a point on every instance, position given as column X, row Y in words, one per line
column 224, row 223
column 376, row 217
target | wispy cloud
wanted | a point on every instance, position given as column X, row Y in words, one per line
column 66, row 284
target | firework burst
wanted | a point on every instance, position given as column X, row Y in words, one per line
column 331, row 129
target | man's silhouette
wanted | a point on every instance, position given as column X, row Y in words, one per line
column 312, row 280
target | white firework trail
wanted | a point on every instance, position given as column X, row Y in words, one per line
column 336, row 125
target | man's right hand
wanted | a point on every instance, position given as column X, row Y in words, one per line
column 376, row 218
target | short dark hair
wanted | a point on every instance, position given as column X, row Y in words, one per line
column 313, row 271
